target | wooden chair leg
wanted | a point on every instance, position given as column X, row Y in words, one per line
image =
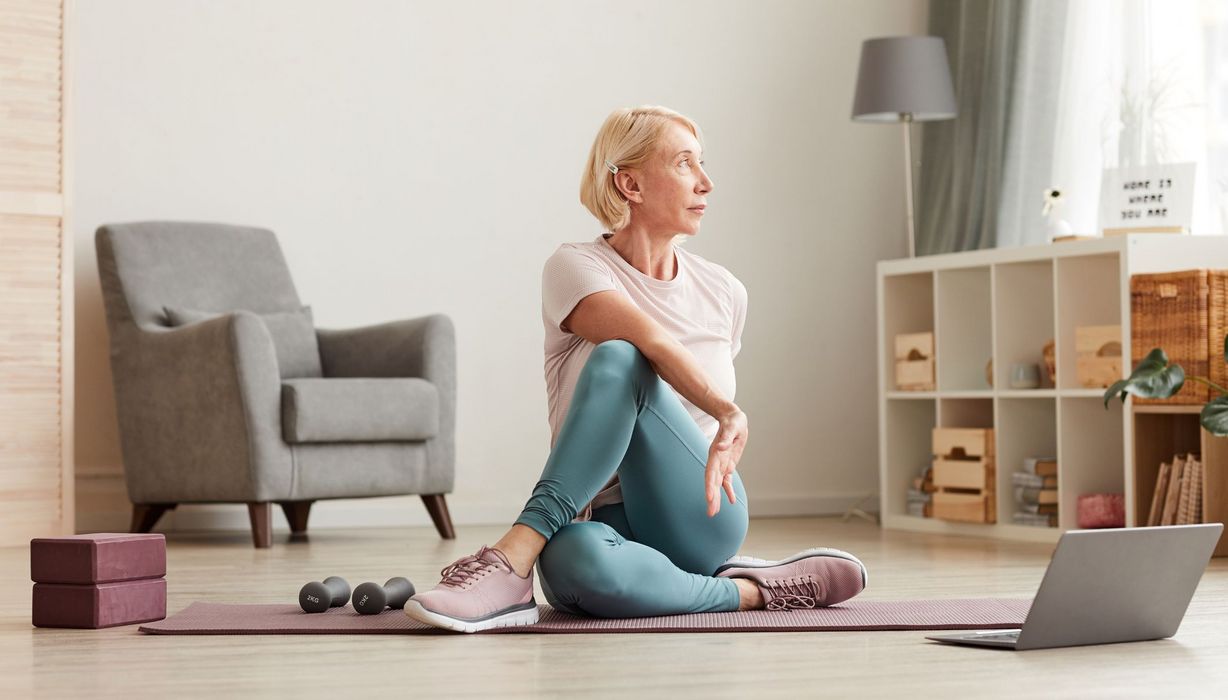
column 438, row 508
column 146, row 515
column 261, row 515
column 296, row 514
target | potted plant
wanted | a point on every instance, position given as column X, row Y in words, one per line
column 1156, row 378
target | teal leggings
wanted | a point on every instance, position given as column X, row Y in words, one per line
column 654, row 553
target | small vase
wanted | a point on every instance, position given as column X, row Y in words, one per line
column 1025, row 376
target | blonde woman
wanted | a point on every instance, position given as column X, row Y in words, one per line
column 627, row 518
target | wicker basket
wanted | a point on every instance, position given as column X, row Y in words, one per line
column 1186, row 314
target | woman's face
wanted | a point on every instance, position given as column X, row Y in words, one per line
column 672, row 186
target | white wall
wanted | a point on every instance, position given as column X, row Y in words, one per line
column 419, row 157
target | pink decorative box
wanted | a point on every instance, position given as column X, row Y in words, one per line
column 102, row 557
column 1098, row 510
column 99, row 604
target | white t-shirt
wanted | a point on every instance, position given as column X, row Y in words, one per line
column 703, row 307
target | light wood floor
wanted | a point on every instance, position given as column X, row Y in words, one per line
column 223, row 567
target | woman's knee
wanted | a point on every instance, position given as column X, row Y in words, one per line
column 616, row 359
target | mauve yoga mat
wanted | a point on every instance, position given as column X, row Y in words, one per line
column 977, row 613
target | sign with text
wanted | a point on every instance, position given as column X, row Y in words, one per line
column 1147, row 198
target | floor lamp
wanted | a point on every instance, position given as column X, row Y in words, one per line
column 904, row 79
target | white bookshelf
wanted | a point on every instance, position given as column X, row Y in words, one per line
column 1005, row 304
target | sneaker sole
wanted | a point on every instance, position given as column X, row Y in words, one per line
column 751, row 563
column 515, row 618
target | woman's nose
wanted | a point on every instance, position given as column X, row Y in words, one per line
column 705, row 184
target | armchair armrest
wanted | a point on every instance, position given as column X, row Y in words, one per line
column 201, row 418
column 422, row 347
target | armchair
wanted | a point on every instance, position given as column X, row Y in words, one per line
column 209, row 411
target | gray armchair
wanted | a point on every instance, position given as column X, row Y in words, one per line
column 227, row 394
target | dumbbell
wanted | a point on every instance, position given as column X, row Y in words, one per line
column 371, row 598
column 319, row 596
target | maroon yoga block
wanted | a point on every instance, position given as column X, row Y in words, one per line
column 91, row 606
column 102, row 557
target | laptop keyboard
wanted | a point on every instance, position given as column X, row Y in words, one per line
column 1013, row 634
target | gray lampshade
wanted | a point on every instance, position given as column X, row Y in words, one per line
column 904, row 74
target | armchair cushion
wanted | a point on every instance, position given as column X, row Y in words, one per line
column 293, row 332
column 359, row 410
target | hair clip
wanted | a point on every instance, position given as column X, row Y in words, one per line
column 613, row 168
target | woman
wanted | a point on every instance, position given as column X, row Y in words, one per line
column 627, row 519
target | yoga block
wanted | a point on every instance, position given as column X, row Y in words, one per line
column 91, row 606
column 102, row 557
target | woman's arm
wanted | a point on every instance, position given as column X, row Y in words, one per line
column 610, row 315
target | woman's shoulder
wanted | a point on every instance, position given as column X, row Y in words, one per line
column 575, row 251
column 572, row 256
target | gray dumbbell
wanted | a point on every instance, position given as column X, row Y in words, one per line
column 319, row 596
column 371, row 598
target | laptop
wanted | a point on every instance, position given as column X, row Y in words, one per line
column 1106, row 586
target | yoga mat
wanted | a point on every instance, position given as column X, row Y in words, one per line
column 977, row 613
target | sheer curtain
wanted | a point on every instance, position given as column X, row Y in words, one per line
column 1095, row 84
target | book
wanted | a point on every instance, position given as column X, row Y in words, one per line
column 1187, row 488
column 1033, row 480
column 1040, row 466
column 1173, row 494
column 1027, row 494
column 1190, row 510
column 1034, row 520
column 1200, row 485
column 1046, row 467
column 1157, row 498
column 1027, row 480
column 1041, row 508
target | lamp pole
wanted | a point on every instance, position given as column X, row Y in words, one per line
column 906, row 120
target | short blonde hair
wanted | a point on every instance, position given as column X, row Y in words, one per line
column 627, row 139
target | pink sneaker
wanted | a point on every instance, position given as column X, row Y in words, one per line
column 811, row 578
column 477, row 592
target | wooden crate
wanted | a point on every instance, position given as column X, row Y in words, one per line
column 965, row 507
column 1098, row 356
column 963, row 443
column 963, row 474
column 975, row 474
column 914, row 361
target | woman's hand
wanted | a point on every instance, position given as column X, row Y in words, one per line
column 723, row 456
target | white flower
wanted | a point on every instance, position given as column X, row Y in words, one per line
column 1053, row 196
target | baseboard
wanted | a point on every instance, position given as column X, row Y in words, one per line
column 787, row 506
column 408, row 511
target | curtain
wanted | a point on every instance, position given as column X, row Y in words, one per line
column 1050, row 93
column 962, row 159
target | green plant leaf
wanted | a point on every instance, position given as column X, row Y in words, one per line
column 1153, row 378
column 1215, row 416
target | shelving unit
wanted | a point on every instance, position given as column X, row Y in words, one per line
column 1005, row 304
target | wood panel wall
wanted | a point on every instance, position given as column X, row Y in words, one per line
column 36, row 315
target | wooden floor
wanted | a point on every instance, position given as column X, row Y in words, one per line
column 223, row 567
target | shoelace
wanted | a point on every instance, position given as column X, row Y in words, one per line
column 466, row 569
column 791, row 593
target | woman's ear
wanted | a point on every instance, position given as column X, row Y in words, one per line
column 628, row 186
